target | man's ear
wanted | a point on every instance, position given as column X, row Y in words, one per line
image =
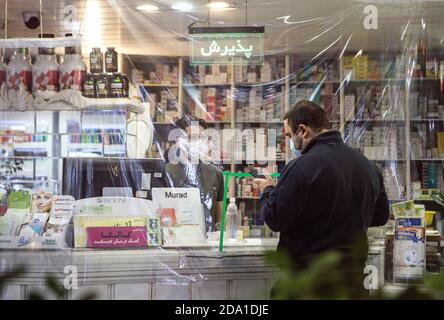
column 306, row 132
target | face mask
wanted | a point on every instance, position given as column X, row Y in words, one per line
column 203, row 150
column 296, row 152
column 194, row 150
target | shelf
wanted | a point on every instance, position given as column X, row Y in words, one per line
column 428, row 159
column 114, row 149
column 389, row 80
column 424, row 79
column 375, row 120
column 160, row 85
column 30, row 179
column 85, row 145
column 426, row 120
column 314, row 82
column 31, row 145
column 218, row 122
column 227, row 84
column 373, row 80
column 73, row 41
column 261, row 84
column 113, row 104
column 207, row 84
column 65, row 100
column 29, row 158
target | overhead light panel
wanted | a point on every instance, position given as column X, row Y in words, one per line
column 182, row 6
column 218, row 5
column 148, row 8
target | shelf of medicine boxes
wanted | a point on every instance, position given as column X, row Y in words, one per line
column 295, row 83
column 164, row 104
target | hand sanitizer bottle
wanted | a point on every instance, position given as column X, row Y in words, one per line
column 232, row 220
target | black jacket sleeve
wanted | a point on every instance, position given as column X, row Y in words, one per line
column 382, row 208
column 283, row 205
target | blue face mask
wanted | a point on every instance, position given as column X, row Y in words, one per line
column 297, row 152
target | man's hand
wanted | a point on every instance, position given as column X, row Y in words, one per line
column 263, row 183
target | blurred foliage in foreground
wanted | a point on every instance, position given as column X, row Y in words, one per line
column 323, row 279
column 55, row 289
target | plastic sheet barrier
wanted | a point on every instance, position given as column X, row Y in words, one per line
column 125, row 130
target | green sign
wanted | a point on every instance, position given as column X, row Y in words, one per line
column 222, row 48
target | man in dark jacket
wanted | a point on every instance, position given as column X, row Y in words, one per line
column 326, row 198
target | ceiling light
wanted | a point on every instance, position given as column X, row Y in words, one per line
column 218, row 5
column 148, row 7
column 182, row 6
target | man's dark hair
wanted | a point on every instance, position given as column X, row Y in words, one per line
column 307, row 113
column 185, row 122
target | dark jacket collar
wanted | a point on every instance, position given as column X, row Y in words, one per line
column 332, row 136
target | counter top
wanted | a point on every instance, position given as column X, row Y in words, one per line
column 95, row 265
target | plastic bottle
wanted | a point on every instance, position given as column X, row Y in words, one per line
column 45, row 72
column 125, row 86
column 19, row 70
column 116, row 86
column 102, row 86
column 96, row 61
column 73, row 69
column 89, row 89
column 232, row 220
column 111, row 60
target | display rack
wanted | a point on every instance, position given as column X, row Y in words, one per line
column 72, row 126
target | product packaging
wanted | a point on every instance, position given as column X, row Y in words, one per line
column 73, row 69
column 19, row 70
column 96, row 61
column 45, row 72
column 111, row 60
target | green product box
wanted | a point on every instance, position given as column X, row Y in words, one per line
column 19, row 199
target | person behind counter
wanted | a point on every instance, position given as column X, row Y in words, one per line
column 204, row 175
column 326, row 198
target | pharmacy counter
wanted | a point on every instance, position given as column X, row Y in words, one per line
column 239, row 272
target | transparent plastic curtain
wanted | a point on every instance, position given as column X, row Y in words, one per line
column 373, row 67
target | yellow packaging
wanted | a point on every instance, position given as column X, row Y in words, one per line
column 440, row 135
column 245, row 231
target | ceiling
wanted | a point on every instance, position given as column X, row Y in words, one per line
column 312, row 27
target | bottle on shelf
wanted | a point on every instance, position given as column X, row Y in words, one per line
column 19, row 70
column 73, row 69
column 116, row 85
column 102, row 86
column 125, row 86
column 111, row 60
column 89, row 88
column 96, row 61
column 231, row 224
column 45, row 72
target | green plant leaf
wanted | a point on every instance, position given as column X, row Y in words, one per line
column 54, row 286
column 35, row 296
column 88, row 296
